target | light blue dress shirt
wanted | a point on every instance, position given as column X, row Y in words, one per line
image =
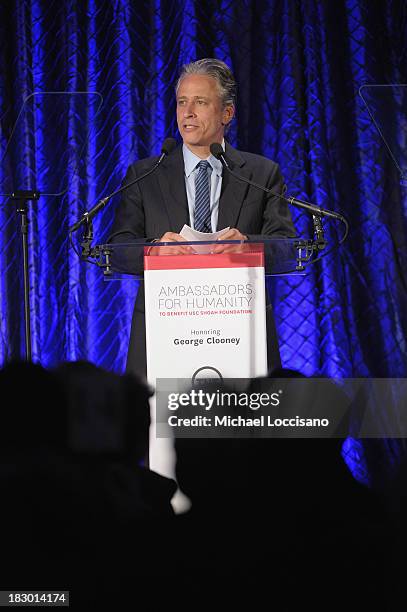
column 190, row 166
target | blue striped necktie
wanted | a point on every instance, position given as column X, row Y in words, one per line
column 202, row 213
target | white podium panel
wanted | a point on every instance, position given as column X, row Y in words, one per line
column 205, row 317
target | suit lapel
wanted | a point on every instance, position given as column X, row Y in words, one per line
column 172, row 184
column 233, row 191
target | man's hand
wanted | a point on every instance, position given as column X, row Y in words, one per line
column 171, row 250
column 232, row 234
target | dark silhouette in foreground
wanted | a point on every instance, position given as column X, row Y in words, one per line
column 281, row 519
column 284, row 519
column 79, row 512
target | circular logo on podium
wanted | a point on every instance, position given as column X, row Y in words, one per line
column 206, row 374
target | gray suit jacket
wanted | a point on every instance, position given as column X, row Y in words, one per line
column 159, row 204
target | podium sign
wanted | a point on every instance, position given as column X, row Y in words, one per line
column 205, row 315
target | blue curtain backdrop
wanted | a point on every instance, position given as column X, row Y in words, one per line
column 299, row 65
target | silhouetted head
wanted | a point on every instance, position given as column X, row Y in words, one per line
column 108, row 413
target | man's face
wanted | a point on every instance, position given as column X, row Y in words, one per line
column 201, row 116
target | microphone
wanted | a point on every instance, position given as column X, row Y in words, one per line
column 168, row 146
column 218, row 152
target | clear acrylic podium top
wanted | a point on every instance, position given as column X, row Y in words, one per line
column 279, row 256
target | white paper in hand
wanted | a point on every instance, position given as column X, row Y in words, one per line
column 192, row 235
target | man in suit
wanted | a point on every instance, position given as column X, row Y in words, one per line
column 157, row 207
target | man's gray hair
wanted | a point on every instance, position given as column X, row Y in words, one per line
column 219, row 71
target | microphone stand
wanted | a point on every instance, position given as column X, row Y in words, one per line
column 86, row 242
column 319, row 242
column 86, row 219
column 22, row 197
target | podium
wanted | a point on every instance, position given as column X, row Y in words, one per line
column 205, row 309
column 205, row 312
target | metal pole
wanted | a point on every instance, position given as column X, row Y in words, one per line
column 22, row 197
column 22, row 209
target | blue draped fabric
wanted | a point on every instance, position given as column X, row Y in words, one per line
column 299, row 66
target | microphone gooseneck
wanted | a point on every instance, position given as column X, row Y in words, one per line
column 317, row 212
column 168, row 146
